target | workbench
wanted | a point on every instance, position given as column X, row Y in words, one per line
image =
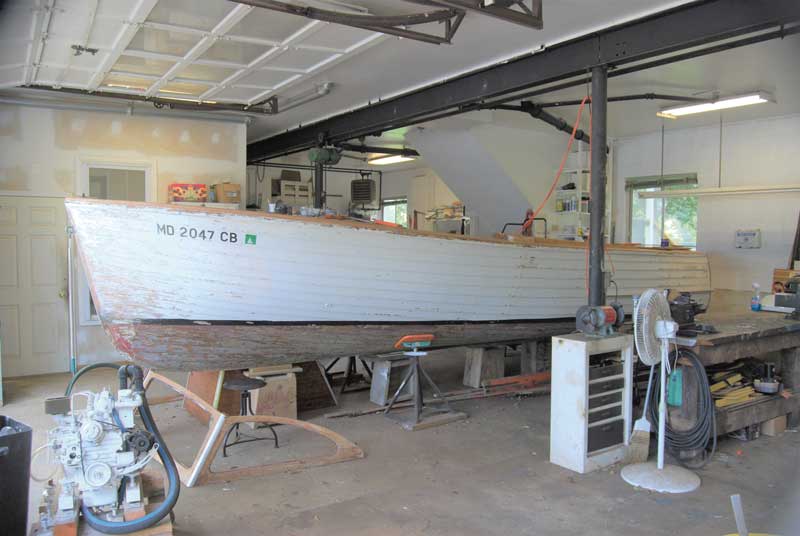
column 762, row 335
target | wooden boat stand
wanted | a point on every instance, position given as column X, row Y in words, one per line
column 423, row 415
column 220, row 424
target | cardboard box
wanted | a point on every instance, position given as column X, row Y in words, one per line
column 774, row 427
column 227, row 192
column 278, row 398
column 782, row 276
column 184, row 191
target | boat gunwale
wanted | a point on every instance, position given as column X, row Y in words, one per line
column 510, row 240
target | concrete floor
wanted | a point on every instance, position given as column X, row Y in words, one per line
column 486, row 475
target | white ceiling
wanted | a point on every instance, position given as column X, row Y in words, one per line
column 221, row 51
column 213, row 51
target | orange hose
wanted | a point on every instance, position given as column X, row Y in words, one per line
column 589, row 184
column 529, row 221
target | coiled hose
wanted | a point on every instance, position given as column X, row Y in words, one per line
column 704, row 430
column 173, row 478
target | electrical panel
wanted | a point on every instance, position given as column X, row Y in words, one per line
column 748, row 238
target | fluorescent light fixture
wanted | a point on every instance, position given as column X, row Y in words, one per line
column 126, row 86
column 183, row 99
column 389, row 159
column 731, row 190
column 715, row 105
column 175, row 92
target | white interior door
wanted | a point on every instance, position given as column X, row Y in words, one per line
column 33, row 282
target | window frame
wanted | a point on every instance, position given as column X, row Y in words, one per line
column 634, row 184
column 394, row 201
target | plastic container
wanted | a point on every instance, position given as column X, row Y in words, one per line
column 15, row 474
column 755, row 301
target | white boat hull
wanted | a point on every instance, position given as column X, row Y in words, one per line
column 320, row 288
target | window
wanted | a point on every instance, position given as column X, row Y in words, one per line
column 395, row 211
column 650, row 220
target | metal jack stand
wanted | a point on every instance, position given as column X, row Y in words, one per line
column 352, row 381
column 423, row 416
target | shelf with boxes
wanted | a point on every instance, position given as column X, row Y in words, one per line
column 221, row 195
column 571, row 205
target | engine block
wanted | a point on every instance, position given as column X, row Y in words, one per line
column 99, row 448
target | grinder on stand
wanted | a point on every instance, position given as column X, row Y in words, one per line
column 599, row 321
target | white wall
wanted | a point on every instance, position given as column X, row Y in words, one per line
column 423, row 189
column 761, row 152
column 41, row 151
column 498, row 171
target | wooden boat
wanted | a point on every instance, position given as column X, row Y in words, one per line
column 194, row 288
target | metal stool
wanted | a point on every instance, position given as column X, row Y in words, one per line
column 244, row 385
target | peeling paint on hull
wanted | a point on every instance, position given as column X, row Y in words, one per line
column 199, row 347
column 186, row 288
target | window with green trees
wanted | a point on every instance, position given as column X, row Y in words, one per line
column 395, row 211
column 650, row 220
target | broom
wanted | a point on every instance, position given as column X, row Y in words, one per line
column 639, row 448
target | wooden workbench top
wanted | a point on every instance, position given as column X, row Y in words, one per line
column 747, row 326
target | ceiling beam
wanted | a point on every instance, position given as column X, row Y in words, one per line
column 397, row 25
column 530, row 17
column 683, row 27
column 401, row 151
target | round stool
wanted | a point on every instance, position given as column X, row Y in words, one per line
column 244, row 385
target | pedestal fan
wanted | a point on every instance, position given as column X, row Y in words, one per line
column 653, row 331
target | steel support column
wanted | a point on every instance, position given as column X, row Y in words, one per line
column 319, row 183
column 597, row 203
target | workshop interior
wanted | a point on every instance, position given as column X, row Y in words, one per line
column 452, row 267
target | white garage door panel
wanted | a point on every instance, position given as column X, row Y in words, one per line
column 33, row 308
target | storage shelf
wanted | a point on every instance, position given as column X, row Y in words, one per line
column 575, row 223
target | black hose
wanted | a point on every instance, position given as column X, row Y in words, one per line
column 704, row 430
column 84, row 370
column 173, row 478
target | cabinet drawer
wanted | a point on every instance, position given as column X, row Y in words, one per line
column 604, row 372
column 604, row 400
column 605, row 435
column 603, row 414
column 603, row 387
